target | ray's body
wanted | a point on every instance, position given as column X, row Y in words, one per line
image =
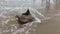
column 25, row 17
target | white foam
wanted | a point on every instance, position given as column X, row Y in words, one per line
column 6, row 31
column 35, row 21
column 7, row 21
column 14, row 26
column 27, row 32
column 19, row 30
column 37, row 12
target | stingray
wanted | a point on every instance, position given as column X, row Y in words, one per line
column 25, row 18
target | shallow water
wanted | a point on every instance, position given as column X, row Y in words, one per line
column 9, row 24
column 47, row 18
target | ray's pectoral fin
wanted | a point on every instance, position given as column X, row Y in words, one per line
column 27, row 12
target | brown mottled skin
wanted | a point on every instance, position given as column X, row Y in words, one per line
column 25, row 18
